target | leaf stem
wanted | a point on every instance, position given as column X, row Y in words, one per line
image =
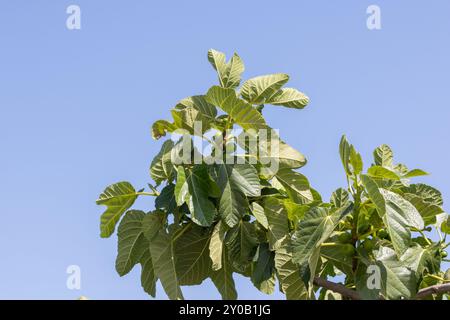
column 422, row 234
column 438, row 278
column 153, row 194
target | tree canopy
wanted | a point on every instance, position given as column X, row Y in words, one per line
column 229, row 199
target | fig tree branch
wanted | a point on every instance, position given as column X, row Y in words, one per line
column 352, row 294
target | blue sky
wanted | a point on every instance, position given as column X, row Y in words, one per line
column 76, row 109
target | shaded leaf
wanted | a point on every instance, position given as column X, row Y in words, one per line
column 278, row 222
column 202, row 209
column 263, row 269
column 241, row 242
column 296, row 185
column 340, row 255
column 161, row 250
column 223, row 278
column 314, row 229
column 131, row 241
column 288, row 274
column 148, row 278
column 191, row 251
column 166, row 199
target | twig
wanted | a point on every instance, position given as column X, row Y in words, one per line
column 352, row 294
column 337, row 287
column 438, row 288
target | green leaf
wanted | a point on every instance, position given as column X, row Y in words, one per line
column 412, row 216
column 397, row 280
column 241, row 242
column 236, row 182
column 263, row 269
column 420, row 259
column 223, row 278
column 445, row 226
column 344, row 152
column 191, row 120
column 295, row 211
column 161, row 127
column 191, row 250
column 241, row 112
column 229, row 73
column 118, row 198
column 219, row 63
column 314, row 229
column 258, row 212
column 152, row 223
column 339, row 198
column 166, row 199
column 199, row 103
column 415, row 173
column 131, row 242
column 383, row 156
column 308, row 270
column 202, row 209
column 194, row 188
column 148, row 278
column 162, row 254
column 235, row 67
column 374, row 194
column 400, row 215
column 181, row 190
column 290, row 98
column 340, row 255
column 274, row 152
column 278, row 222
column 162, row 168
column 216, row 245
column 296, row 185
column 355, row 160
column 233, row 204
column 288, row 274
column 260, row 89
column 427, row 210
column 427, row 193
column 382, row 173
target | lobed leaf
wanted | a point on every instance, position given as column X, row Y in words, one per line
column 118, row 198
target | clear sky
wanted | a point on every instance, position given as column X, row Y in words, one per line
column 77, row 105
